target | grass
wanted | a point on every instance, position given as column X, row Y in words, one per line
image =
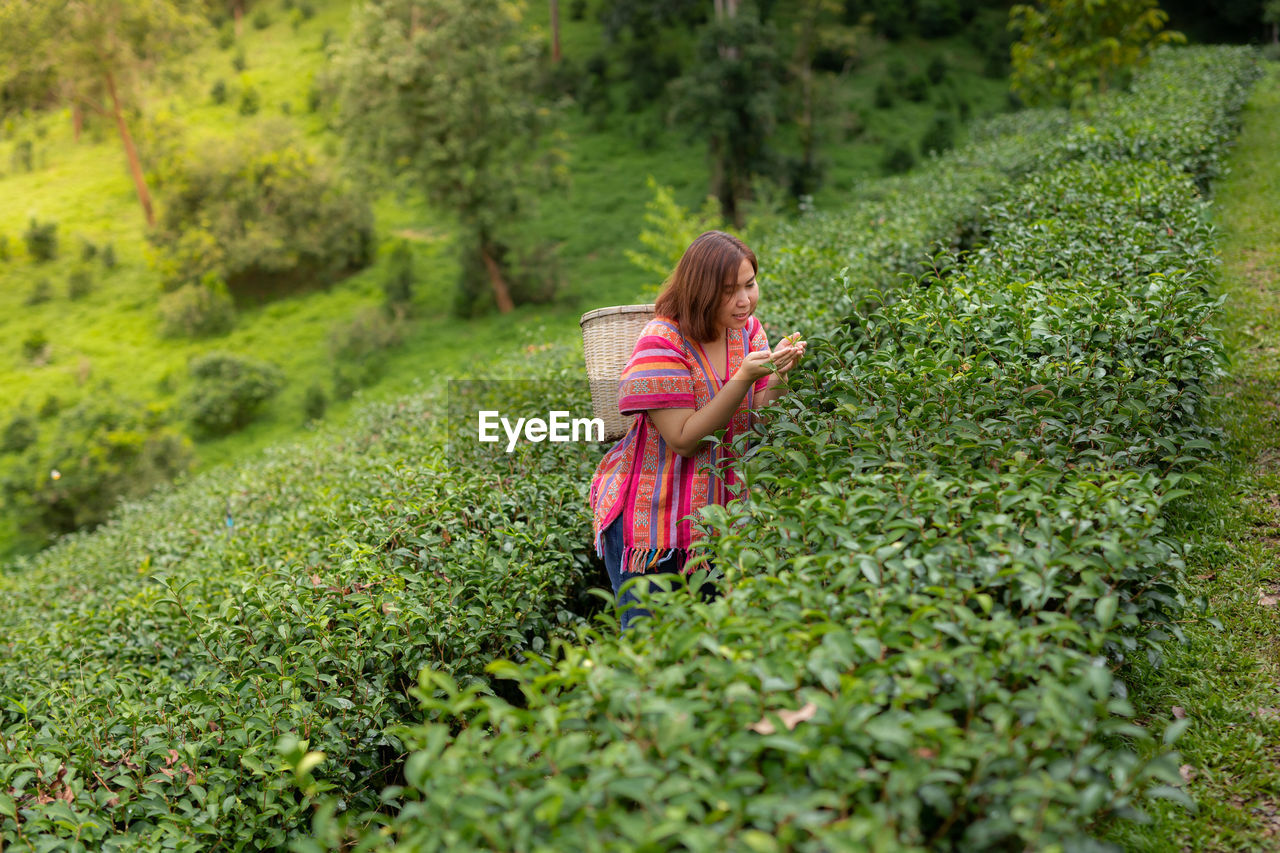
column 107, row 342
column 1226, row 677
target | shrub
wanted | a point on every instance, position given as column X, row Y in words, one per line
column 937, row 18
column 308, row 11
column 314, row 403
column 884, row 94
column 897, row 159
column 238, row 60
column 49, row 407
column 41, row 291
column 261, row 20
column 79, row 283
column 218, row 91
column 357, row 347
column 4, row 247
column 19, row 434
column 227, row 391
column 41, row 240
column 263, row 214
column 197, row 310
column 936, row 70
column 226, row 37
column 397, row 286
column 88, row 251
column 940, row 134
column 109, row 256
column 916, row 88
column 22, row 157
column 103, row 449
column 250, row 100
column 35, row 346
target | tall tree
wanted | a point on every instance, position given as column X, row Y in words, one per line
column 555, row 30
column 1271, row 15
column 731, row 96
column 441, row 94
column 1067, row 49
column 817, row 25
column 95, row 51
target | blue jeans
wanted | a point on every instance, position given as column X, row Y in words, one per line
column 670, row 565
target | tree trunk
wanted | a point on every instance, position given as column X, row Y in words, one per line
column 237, row 10
column 555, row 30
column 135, row 167
column 723, row 184
column 501, row 294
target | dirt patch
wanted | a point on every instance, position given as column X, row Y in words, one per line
column 1258, row 267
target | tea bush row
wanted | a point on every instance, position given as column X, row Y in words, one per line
column 955, row 537
column 172, row 679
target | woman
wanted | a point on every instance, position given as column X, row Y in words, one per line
column 701, row 365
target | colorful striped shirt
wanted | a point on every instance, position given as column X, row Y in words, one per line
column 641, row 477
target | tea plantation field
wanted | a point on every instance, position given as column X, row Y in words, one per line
column 957, row 541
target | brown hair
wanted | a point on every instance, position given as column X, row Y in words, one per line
column 691, row 296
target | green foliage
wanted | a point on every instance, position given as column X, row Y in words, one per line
column 936, row 70
column 94, row 454
column 108, row 256
column 940, row 135
column 218, row 91
column 937, row 571
column 1067, row 49
column 19, row 434
column 731, row 96
column 314, row 403
column 884, row 94
column 916, row 88
column 197, row 310
column 956, row 532
column 79, row 283
column 88, row 250
column 22, row 158
column 397, row 286
column 238, row 61
column 41, row 240
column 423, row 87
column 261, row 19
column 937, row 18
column 898, row 158
column 262, row 213
column 358, row 347
column 41, row 291
column 227, row 391
column 671, row 228
column 250, row 100
column 4, row 247
column 35, row 346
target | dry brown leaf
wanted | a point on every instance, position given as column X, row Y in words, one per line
column 790, row 719
column 1266, row 713
column 1179, row 712
column 1268, row 600
column 1187, row 772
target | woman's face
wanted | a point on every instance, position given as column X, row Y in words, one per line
column 738, row 303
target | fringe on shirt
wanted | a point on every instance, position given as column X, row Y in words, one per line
column 640, row 560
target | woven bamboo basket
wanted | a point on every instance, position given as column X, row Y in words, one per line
column 609, row 337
